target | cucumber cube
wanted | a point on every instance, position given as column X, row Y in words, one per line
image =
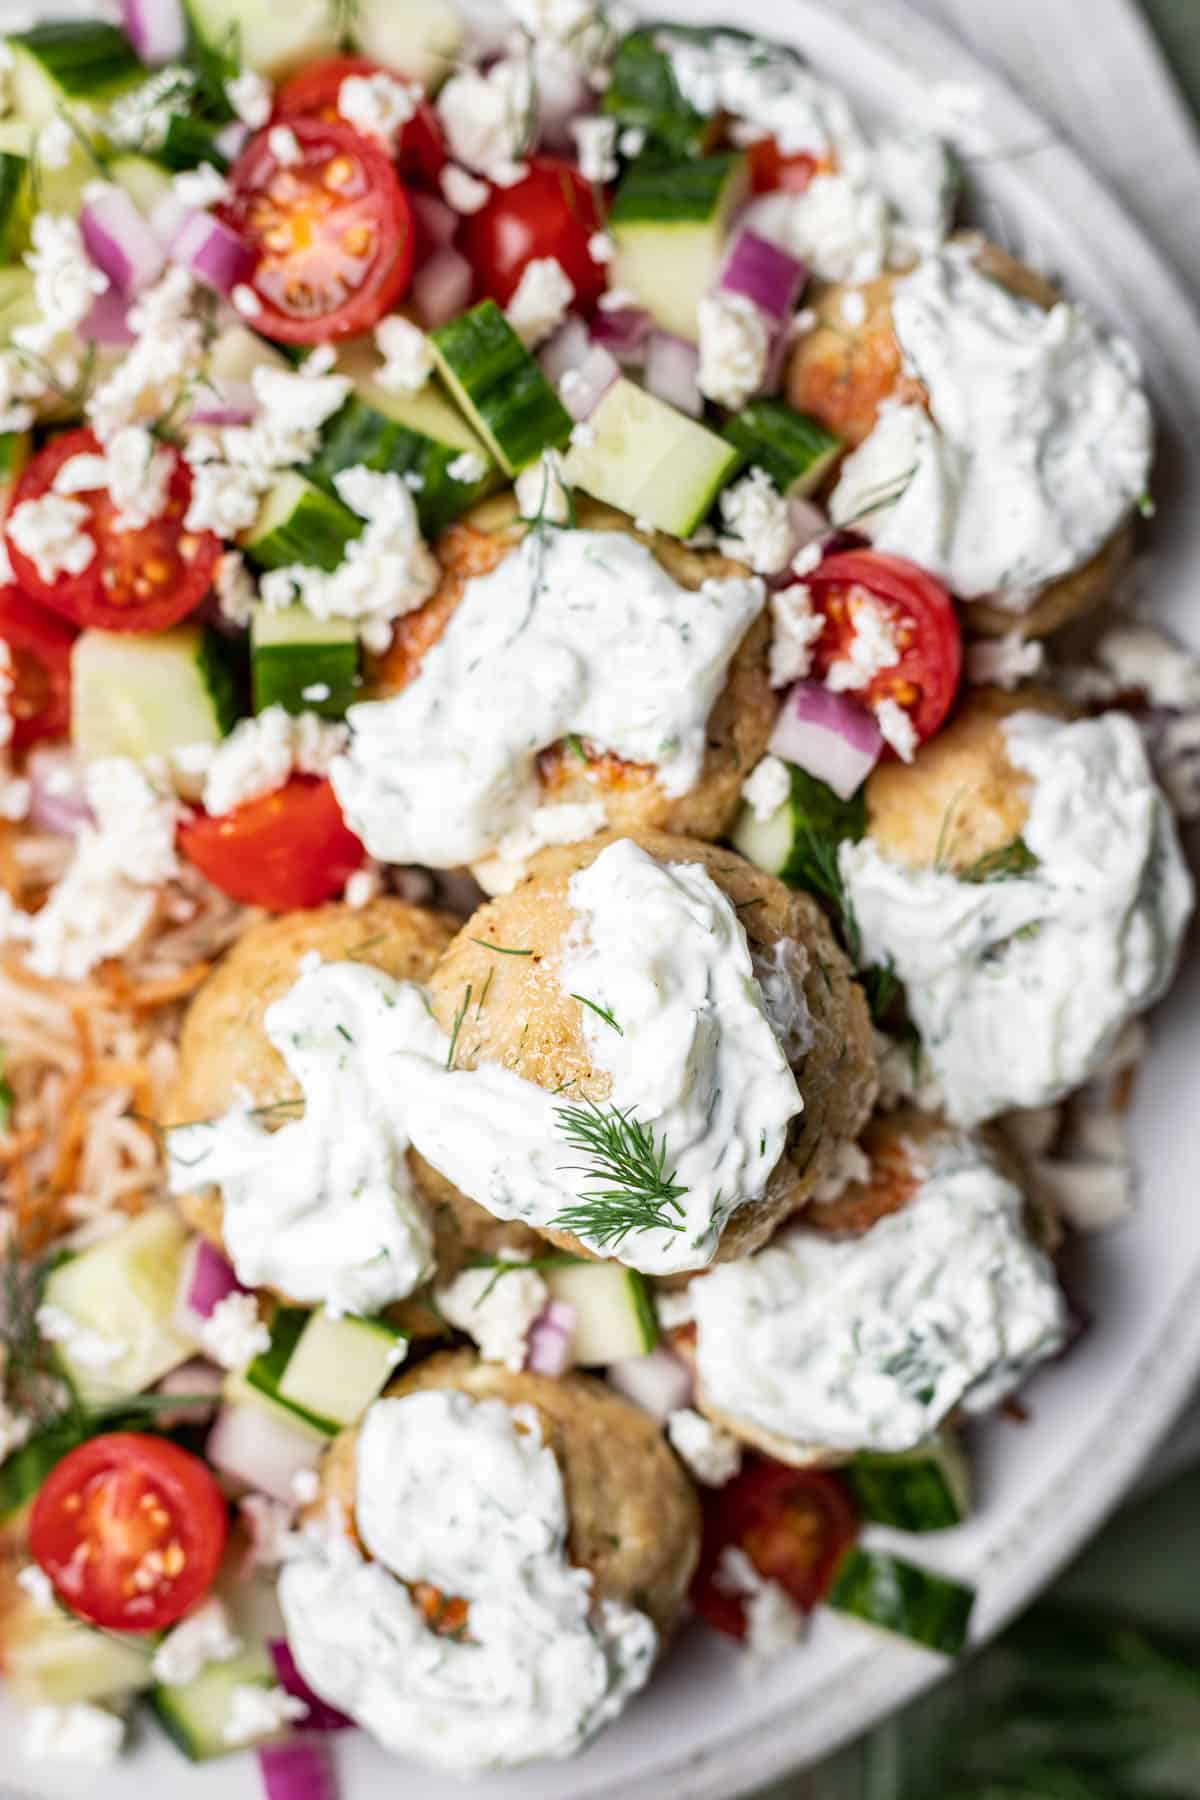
column 52, row 1659
column 614, row 1315
column 142, row 696
column 273, row 39
column 195, row 1714
column 418, row 37
column 650, row 461
column 670, row 222
column 65, row 60
column 339, row 1366
column 302, row 663
column 500, row 387
column 300, row 523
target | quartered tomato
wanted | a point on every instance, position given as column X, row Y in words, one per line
column 332, row 233
column 773, row 172
column 552, row 212
column 286, row 849
column 142, row 580
column 922, row 615
column 313, row 94
column 130, row 1530
column 793, row 1524
column 35, row 682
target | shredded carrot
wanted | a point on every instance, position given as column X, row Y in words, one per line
column 146, row 995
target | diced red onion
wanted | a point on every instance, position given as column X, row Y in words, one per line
column 107, row 321
column 213, row 252
column 765, row 274
column 230, row 140
column 623, row 333
column 209, row 1279
column 827, row 735
column 196, row 1376
column 300, row 1769
column 260, row 1447
column 582, row 389
column 672, row 372
column 157, row 29
column 562, row 96
column 321, row 1716
column 567, row 349
column 550, row 1337
column 57, row 797
column 119, row 240
column 440, row 221
column 224, row 403
column 659, row 1382
column 442, row 288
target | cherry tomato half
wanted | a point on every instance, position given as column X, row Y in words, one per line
column 793, row 1524
column 551, row 212
column 39, row 669
column 332, row 233
column 313, row 94
column 130, row 1530
column 143, row 580
column 286, row 849
column 922, row 615
column 773, row 172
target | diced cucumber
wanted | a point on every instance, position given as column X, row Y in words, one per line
column 18, row 185
column 670, row 222
column 339, row 1366
column 649, row 460
column 261, row 1441
column 897, row 1596
column 23, row 1473
column 797, row 452
column 234, row 357
column 418, row 38
column 500, row 387
column 264, row 1374
column 196, row 1714
column 643, row 92
column 124, row 1289
column 17, row 304
column 927, row 1489
column 142, row 696
column 271, row 38
column 146, row 183
column 614, row 1314
column 16, row 447
column 65, row 61
column 299, row 522
column 799, row 842
column 303, row 663
column 415, row 435
column 52, row 1659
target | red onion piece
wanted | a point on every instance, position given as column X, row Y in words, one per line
column 550, row 1337
column 213, row 252
column 659, row 1382
column 300, row 1769
column 157, row 29
column 196, row 1376
column 442, row 288
column 440, row 222
column 224, row 403
column 230, row 140
column 321, row 1716
column 57, row 797
column 827, row 735
column 582, row 389
column 261, row 1448
column 107, row 321
column 623, row 333
column 765, row 274
column 119, row 240
column 672, row 372
column 565, row 350
column 210, row 1278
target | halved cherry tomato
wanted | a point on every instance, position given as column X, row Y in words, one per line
column 793, row 1524
column 313, row 94
column 286, row 849
column 773, row 172
column 922, row 614
column 332, row 233
column 130, row 1529
column 39, row 649
column 144, row 580
column 552, row 212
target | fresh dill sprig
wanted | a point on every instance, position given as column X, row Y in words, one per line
column 576, row 746
column 459, row 1016
column 483, row 992
column 1006, row 864
column 500, row 949
column 875, row 499
column 503, row 1265
column 601, row 1012
column 630, row 1187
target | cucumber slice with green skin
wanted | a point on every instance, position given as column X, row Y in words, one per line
column 65, row 61
column 299, row 522
column 797, row 452
column 146, row 696
column 124, row 1288
column 16, row 447
column 339, row 1366
column 898, row 1597
column 643, row 92
column 614, row 1314
column 266, row 1371
column 650, row 461
column 58, row 190
column 17, row 304
column 670, row 223
column 500, row 387
column 196, row 1714
column 52, row 1659
column 420, row 38
column 18, row 184
column 23, row 1473
column 799, row 842
column 927, row 1489
column 143, row 180
column 271, row 38
column 303, row 663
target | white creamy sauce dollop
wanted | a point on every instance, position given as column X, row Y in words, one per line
column 575, row 632
column 1039, row 443
column 869, row 1342
column 465, row 1496
column 1021, row 986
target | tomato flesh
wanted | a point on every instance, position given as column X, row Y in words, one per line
column 314, row 92
column 283, row 850
column 332, row 232
column 793, row 1524
column 143, row 580
column 773, row 172
column 552, row 212
column 130, row 1530
column 35, row 688
column 922, row 616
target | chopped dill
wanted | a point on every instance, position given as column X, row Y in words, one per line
column 459, row 1016
column 631, row 1188
column 1006, row 864
column 483, row 992
column 500, row 949
column 601, row 1012
column 576, row 746
column 342, row 1032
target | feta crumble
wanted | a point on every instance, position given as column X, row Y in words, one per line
column 234, row 1332
column 168, row 351
column 377, row 105
column 284, row 146
column 487, row 117
column 407, row 355
column 55, row 142
column 79, row 1733
column 462, row 191
column 1005, row 661
column 50, row 532
column 496, row 1307
column 89, row 1348
column 245, row 301
column 541, row 490
column 735, row 347
column 872, row 649
column 854, row 309
column 15, row 1430
column 774, row 1623
column 201, row 188
column 202, row 1637
column 363, row 887
column 251, row 97
column 897, row 728
column 65, row 281
column 36, row 1585
column 258, row 1712
column 234, row 587
column 601, row 247
column 595, row 148
column 541, row 301
column 795, row 627
column 468, row 466
column 713, row 1455
column 261, row 754
column 135, row 469
column 758, row 529
column 767, row 787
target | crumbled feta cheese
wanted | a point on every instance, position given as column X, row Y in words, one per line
column 294, row 406
column 15, row 1429
column 601, row 247
column 468, row 466
column 618, row 300
column 305, row 1485
column 595, row 147
column 767, row 787
column 316, row 693
column 284, row 146
column 487, row 117
column 808, row 557
column 713, row 1455
column 377, row 104
column 225, row 498
column 90, row 1349
column 37, row 1586
column 261, row 754
column 583, row 434
column 79, row 1733
column 140, row 119
column 135, row 469
column 258, row 1712
column 234, row 1333
column 872, row 649
column 839, row 226
column 1005, row 661
column 795, row 627
column 542, row 492
column 55, row 142
column 234, row 586
column 246, row 301
column 632, row 141
column 407, row 355
column 854, row 309
column 204, row 1636
column 65, row 280
column 268, row 1525
column 168, row 351
column 50, row 532
column 251, row 97
column 755, row 516
column 674, row 1309
column 774, row 1622
column 735, row 347
column 462, row 191
column 496, row 1307
column 541, row 301
column 363, row 887
column 897, row 728
column 202, row 187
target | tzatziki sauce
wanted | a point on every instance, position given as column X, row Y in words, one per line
column 574, row 633
column 465, row 1496
column 869, row 1342
column 1021, row 985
